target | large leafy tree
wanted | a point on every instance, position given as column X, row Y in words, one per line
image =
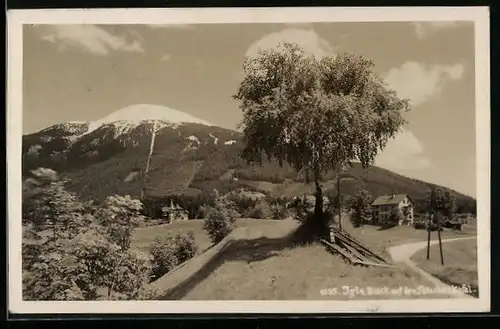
column 440, row 202
column 315, row 114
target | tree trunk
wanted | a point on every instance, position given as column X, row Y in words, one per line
column 320, row 221
column 439, row 238
column 318, row 206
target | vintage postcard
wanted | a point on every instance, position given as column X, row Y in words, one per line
column 284, row 160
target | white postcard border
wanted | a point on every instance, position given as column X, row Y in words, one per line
column 16, row 19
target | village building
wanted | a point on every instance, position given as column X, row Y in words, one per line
column 174, row 212
column 397, row 208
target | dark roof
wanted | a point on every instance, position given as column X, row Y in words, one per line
column 389, row 199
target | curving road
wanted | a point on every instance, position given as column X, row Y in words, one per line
column 403, row 254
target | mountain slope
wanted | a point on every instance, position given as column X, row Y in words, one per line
column 184, row 155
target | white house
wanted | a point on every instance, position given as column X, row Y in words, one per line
column 395, row 207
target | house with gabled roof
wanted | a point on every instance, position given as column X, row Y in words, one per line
column 174, row 212
column 396, row 209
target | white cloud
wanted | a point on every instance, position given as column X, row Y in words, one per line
column 403, row 153
column 91, row 38
column 166, row 57
column 423, row 29
column 308, row 39
column 419, row 82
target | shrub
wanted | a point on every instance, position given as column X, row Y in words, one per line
column 219, row 224
column 243, row 204
column 148, row 293
column 167, row 252
column 163, row 253
column 262, row 210
column 186, row 246
column 279, row 211
column 131, row 275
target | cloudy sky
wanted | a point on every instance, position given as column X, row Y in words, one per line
column 84, row 72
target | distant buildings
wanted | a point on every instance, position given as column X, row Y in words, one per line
column 396, row 209
column 174, row 213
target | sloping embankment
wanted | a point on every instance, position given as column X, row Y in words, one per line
column 167, row 286
column 181, row 273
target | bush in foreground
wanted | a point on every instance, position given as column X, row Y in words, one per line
column 186, row 246
column 219, row 224
column 167, row 252
column 163, row 256
column 261, row 210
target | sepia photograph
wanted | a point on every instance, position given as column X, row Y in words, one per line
column 249, row 160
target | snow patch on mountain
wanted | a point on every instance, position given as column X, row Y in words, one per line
column 33, row 150
column 193, row 143
column 216, row 139
column 231, row 142
column 193, row 139
column 131, row 177
column 46, row 139
column 72, row 127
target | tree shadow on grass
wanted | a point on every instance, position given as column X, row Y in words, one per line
column 248, row 250
column 386, row 227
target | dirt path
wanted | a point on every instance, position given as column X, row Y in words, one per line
column 403, row 254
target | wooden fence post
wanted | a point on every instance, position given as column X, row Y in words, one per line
column 429, row 236
column 439, row 237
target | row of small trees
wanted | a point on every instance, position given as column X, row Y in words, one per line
column 248, row 207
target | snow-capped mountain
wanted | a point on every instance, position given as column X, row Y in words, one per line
column 136, row 114
column 138, row 138
column 127, row 119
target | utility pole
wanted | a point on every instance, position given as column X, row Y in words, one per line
column 438, row 224
column 439, row 237
column 429, row 235
column 339, row 203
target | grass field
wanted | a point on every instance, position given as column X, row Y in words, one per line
column 460, row 263
column 269, row 272
column 262, row 264
column 379, row 240
column 144, row 236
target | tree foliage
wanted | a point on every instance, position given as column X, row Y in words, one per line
column 221, row 219
column 315, row 114
column 169, row 251
column 51, row 205
column 82, row 254
column 361, row 207
column 120, row 215
column 440, row 202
